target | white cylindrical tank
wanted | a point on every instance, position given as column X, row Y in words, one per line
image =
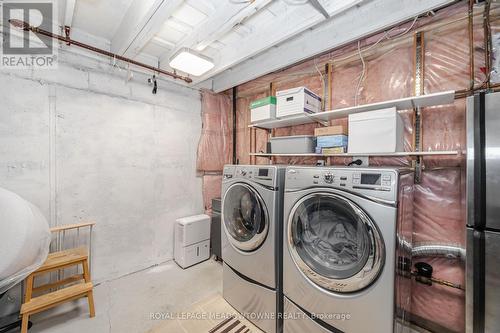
column 24, row 239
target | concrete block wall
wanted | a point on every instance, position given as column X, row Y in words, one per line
column 83, row 143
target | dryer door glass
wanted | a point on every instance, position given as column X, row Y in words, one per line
column 245, row 217
column 335, row 243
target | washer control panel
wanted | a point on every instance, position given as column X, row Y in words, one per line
column 328, row 177
column 374, row 181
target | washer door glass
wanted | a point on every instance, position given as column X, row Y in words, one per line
column 245, row 217
column 335, row 243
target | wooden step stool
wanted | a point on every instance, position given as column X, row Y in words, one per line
column 57, row 261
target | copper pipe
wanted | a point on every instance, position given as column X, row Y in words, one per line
column 467, row 92
column 25, row 26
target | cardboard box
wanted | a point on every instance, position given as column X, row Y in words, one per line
column 330, row 130
column 329, row 141
column 263, row 109
column 296, row 101
column 334, row 150
column 379, row 131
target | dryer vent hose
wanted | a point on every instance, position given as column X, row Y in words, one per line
column 428, row 249
column 450, row 251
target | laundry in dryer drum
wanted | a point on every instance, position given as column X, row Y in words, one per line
column 330, row 141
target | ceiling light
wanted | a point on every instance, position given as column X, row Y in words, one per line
column 191, row 62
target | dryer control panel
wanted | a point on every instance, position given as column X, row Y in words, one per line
column 375, row 182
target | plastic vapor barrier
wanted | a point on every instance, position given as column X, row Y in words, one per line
column 212, row 185
column 215, row 146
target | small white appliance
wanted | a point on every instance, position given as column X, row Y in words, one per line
column 380, row 131
column 192, row 240
column 296, row 101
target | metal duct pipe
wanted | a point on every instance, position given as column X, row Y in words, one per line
column 450, row 251
column 25, row 26
column 428, row 249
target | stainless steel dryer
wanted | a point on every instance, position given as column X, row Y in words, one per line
column 252, row 242
column 342, row 231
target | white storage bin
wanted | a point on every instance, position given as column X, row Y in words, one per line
column 378, row 131
column 297, row 144
column 296, row 101
column 263, row 109
column 192, row 240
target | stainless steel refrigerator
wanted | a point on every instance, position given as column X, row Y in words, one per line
column 483, row 213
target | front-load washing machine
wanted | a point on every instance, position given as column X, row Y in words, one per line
column 252, row 242
column 347, row 249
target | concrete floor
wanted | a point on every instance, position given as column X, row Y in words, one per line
column 126, row 304
column 136, row 303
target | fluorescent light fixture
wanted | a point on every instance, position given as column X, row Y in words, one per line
column 191, row 62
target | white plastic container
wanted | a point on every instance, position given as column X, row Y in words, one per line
column 296, row 101
column 263, row 109
column 192, row 240
column 297, row 144
column 379, row 131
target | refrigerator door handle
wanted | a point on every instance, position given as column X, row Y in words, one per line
column 470, row 130
column 476, row 165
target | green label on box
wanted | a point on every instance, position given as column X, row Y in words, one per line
column 263, row 101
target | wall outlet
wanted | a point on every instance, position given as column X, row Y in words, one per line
column 365, row 160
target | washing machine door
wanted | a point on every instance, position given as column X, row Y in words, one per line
column 335, row 243
column 245, row 217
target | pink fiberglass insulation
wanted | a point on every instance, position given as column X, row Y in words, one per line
column 215, row 146
column 242, row 130
column 439, row 217
column 442, row 305
column 439, row 211
column 212, row 185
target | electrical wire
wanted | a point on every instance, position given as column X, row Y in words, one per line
column 322, row 79
column 387, row 36
column 362, row 76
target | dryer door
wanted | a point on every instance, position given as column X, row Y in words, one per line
column 335, row 243
column 245, row 217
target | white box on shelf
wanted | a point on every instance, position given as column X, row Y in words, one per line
column 380, row 131
column 263, row 109
column 192, row 240
column 296, row 101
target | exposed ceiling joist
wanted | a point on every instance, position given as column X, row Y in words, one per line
column 286, row 27
column 229, row 12
column 162, row 42
column 69, row 12
column 141, row 23
column 360, row 21
column 320, row 8
column 245, row 13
